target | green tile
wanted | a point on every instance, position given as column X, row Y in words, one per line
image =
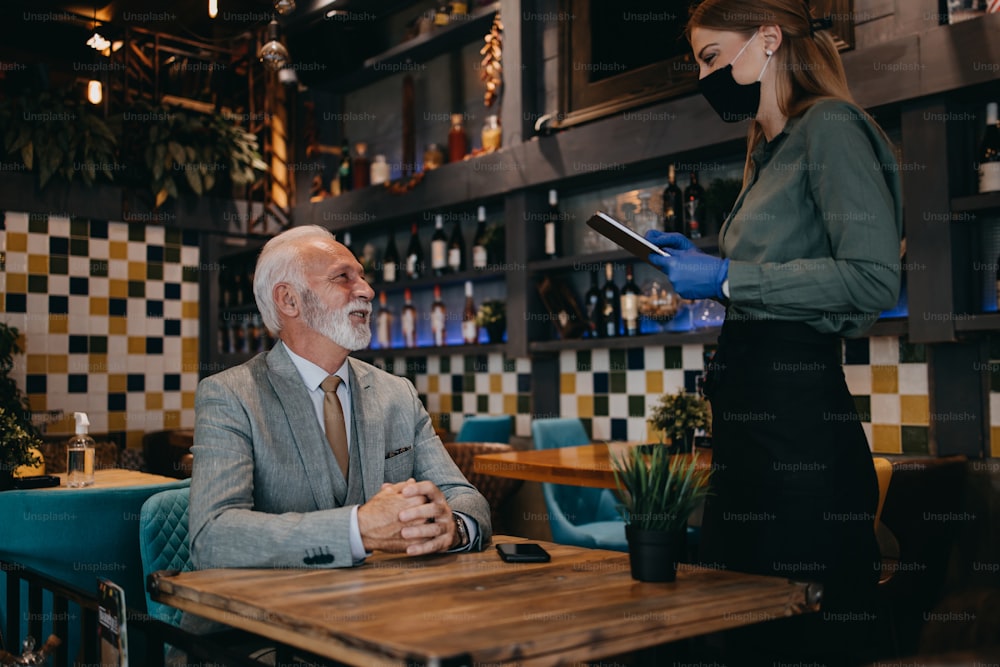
column 588, row 425
column 137, row 233
column 154, row 272
column 672, row 357
column 99, row 268
column 601, row 407
column 636, row 406
column 456, row 403
column 388, row 365
column 136, row 288
column 509, row 365
column 79, row 247
column 863, row 404
column 38, row 223
column 915, row 439
column 172, row 236
column 59, row 266
column 524, row 404
column 475, row 363
column 444, row 419
column 79, row 227
column 468, row 382
column 483, row 404
column 189, row 274
column 98, row 344
column 445, row 364
column 911, row 353
column 38, row 284
column 583, row 361
column 617, row 383
column 618, row 360
column 172, row 255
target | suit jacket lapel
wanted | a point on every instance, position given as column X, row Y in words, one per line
column 368, row 416
column 307, row 437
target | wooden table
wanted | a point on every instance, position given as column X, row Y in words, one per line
column 584, row 465
column 115, row 478
column 473, row 608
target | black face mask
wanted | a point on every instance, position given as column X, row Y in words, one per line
column 734, row 102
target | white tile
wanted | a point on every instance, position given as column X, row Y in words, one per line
column 37, row 304
column 913, row 379
column 187, row 418
column 673, row 381
column 654, row 358
column 600, row 360
column 584, row 385
column 618, row 406
column 495, row 362
column 98, row 420
column 172, row 273
column 17, row 262
column 636, row 428
column 97, row 384
column 508, row 383
column 97, row 325
column 189, row 255
column 189, row 381
column 635, row 382
column 885, row 409
column 38, row 244
column 100, row 287
column 859, row 379
column 118, row 269
column 522, row 426
column 567, row 404
column 117, row 346
column 691, row 357
column 99, row 249
column 154, row 289
column 54, row 343
column 883, row 350
column 189, row 292
column 155, row 235
column 482, row 383
column 117, row 231
column 172, row 400
column 16, row 221
column 136, row 252
column 522, row 365
column 79, row 308
column 79, row 266
column 58, row 225
column 495, row 404
column 58, row 285
column 867, row 428
column 601, row 429
column 173, row 310
column 994, row 408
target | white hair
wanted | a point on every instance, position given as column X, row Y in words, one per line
column 280, row 262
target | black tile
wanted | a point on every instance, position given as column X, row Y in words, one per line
column 98, row 229
column 154, row 308
column 584, row 361
column 171, row 291
column 189, row 274
column 98, row 344
column 16, row 303
column 856, row 351
column 172, row 236
column 172, row 382
column 36, row 384
column 190, row 237
column 601, row 382
column 619, row 429
column 673, row 357
column 154, row 345
column 171, row 327
column 691, row 380
column 618, row 382
column 636, row 406
column 79, row 247
column 79, row 227
column 79, row 286
column 863, row 404
column 116, row 402
column 456, row 384
column 135, row 382
column 77, row 383
column 58, row 305
column 476, row 363
column 416, row 365
column 38, row 223
column 616, row 360
column 136, row 289
column 77, row 344
column 59, row 266
column 154, row 253
column 601, row 406
column 117, row 307
column 483, row 403
column 38, row 284
column 524, row 383
column 457, row 404
column 137, row 233
column 58, row 245
column 154, row 272
column 99, row 268
column 915, row 439
column 911, row 353
column 172, row 255
column 636, row 358
column 523, row 404
column 509, row 364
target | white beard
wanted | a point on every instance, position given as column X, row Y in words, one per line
column 336, row 324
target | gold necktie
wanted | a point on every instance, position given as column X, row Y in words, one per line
column 333, row 419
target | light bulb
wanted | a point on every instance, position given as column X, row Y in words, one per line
column 273, row 54
column 98, row 42
column 95, row 92
column 213, row 8
column 284, row 7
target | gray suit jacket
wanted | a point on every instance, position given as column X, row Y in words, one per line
column 265, row 484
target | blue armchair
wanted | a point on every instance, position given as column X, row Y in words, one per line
column 485, row 429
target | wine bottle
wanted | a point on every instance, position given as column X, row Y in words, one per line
column 611, row 316
column 439, row 247
column 673, row 204
column 408, row 320
column 630, row 303
column 383, row 324
column 456, row 249
column 645, row 218
column 989, row 152
column 694, row 207
column 553, row 224
column 345, row 174
column 470, row 330
column 390, row 261
column 347, row 244
column 414, row 255
column 480, row 254
column 439, row 316
column 593, row 303
column 360, row 166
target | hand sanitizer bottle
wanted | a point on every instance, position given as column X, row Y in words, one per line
column 80, row 454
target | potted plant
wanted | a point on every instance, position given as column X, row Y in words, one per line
column 492, row 316
column 658, row 492
column 677, row 416
column 17, row 434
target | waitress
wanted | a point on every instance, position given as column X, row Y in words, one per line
column 810, row 256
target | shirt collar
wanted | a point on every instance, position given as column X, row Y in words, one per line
column 313, row 375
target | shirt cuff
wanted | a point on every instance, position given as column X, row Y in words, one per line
column 745, row 280
column 472, row 528
column 358, row 553
column 725, row 288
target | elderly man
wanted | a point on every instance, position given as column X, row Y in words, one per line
column 304, row 457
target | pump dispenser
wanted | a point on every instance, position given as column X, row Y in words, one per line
column 80, row 454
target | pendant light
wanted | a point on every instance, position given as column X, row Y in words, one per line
column 213, row 8
column 95, row 91
column 284, row 7
column 273, row 54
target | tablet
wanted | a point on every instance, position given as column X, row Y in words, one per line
column 624, row 236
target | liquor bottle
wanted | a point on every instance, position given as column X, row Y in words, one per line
column 390, row 261
column 480, row 255
column 439, row 316
column 553, row 226
column 593, row 303
column 456, row 249
column 694, row 207
column 470, row 330
column 345, row 174
column 414, row 255
column 630, row 303
column 439, row 247
column 611, row 315
column 458, row 141
column 383, row 324
column 408, row 320
column 645, row 218
column 360, row 166
column 673, row 204
column 989, row 152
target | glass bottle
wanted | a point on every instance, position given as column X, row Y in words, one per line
column 414, row 255
column 439, row 247
column 593, row 303
column 361, row 168
column 383, row 324
column 408, row 320
column 611, row 315
column 694, row 207
column 345, row 174
column 480, row 253
column 379, row 170
column 673, row 204
column 470, row 330
column 989, row 152
column 439, row 317
column 456, row 249
column 433, row 157
column 458, row 142
column 80, row 454
column 390, row 261
column 630, row 303
column 645, row 218
column 492, row 134
column 553, row 225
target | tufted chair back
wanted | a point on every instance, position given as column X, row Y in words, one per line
column 163, row 543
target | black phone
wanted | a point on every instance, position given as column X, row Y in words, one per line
column 624, row 236
column 36, row 482
column 523, row 553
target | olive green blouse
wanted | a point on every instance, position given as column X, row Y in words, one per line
column 815, row 233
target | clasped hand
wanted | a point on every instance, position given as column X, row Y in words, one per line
column 693, row 274
column 411, row 517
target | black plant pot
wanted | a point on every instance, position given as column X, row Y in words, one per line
column 653, row 554
column 6, row 479
column 494, row 331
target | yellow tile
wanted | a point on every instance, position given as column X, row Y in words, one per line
column 885, row 379
column 584, row 406
column 654, row 382
column 914, row 410
column 136, row 345
column 432, row 383
column 995, row 440
column 66, row 424
column 567, row 383
column 445, row 402
column 189, row 310
column 17, row 242
column 187, row 400
column 38, row 265
column 118, row 288
column 496, row 383
column 171, row 419
column 58, row 324
column 189, row 346
column 137, row 271
column 117, row 326
column 653, row 434
column 117, row 421
column 886, row 439
column 99, row 305
column 510, row 404
column 189, row 362
column 17, row 283
column 118, row 250
column 35, row 363
column 117, row 383
column 58, row 363
column 98, row 363
column 38, row 401
column 133, row 440
column 154, row 400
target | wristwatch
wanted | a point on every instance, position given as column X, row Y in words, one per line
column 461, row 530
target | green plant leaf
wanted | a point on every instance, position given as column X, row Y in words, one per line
column 177, row 152
column 28, row 155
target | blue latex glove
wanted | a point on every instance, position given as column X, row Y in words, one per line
column 693, row 274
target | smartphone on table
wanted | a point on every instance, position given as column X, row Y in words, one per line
column 523, row 553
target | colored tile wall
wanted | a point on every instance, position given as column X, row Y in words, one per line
column 108, row 313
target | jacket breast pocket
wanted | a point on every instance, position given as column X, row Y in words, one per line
column 399, row 465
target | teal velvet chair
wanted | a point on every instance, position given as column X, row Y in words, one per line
column 163, row 543
column 578, row 515
column 485, row 429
